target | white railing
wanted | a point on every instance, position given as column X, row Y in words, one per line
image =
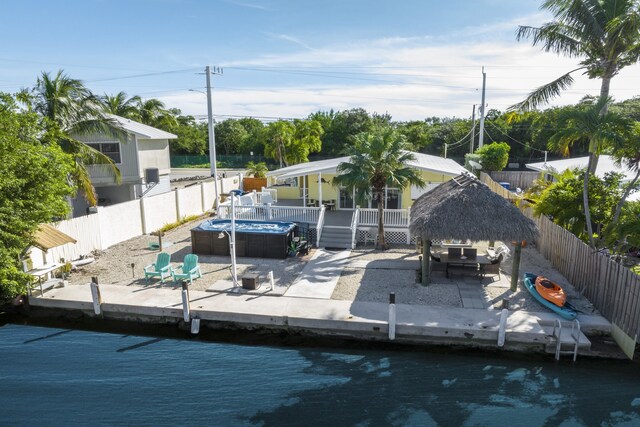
column 273, row 192
column 271, row 213
column 391, row 218
column 319, row 225
column 354, row 227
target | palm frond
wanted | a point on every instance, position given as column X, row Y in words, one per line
column 545, row 93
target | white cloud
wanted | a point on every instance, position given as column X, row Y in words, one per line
column 408, row 77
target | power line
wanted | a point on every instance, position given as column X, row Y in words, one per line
column 133, row 76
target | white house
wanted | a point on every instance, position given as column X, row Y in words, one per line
column 143, row 161
column 605, row 164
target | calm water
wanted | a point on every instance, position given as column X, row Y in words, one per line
column 68, row 377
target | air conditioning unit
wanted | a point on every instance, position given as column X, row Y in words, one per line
column 152, row 175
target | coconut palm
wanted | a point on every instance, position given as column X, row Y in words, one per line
column 153, row 112
column 378, row 159
column 629, row 155
column 76, row 111
column 605, row 34
column 121, row 106
column 599, row 131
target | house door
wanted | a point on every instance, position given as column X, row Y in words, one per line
column 345, row 201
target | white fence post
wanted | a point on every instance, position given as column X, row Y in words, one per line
column 177, row 193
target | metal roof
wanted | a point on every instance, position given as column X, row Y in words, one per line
column 422, row 161
column 47, row 237
column 605, row 164
column 143, row 131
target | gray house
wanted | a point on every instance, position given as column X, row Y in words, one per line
column 143, row 161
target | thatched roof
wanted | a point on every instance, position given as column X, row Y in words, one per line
column 465, row 208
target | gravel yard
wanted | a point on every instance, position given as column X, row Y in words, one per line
column 369, row 276
column 113, row 266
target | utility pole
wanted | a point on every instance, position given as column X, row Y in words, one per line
column 212, row 137
column 473, row 128
column 445, row 150
column 484, row 84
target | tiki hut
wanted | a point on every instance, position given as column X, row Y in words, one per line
column 465, row 208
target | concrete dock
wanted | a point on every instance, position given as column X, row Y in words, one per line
column 416, row 324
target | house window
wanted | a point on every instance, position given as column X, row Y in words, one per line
column 392, row 199
column 109, row 149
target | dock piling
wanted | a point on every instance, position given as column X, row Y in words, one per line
column 392, row 316
column 96, row 297
column 186, row 313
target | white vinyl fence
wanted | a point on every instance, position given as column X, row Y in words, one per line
column 123, row 221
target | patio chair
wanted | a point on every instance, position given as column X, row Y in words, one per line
column 493, row 268
column 470, row 253
column 161, row 268
column 454, row 252
column 436, row 264
column 371, row 235
column 190, row 269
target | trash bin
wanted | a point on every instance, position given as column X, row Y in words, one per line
column 505, row 185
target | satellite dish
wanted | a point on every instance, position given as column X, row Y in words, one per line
column 475, row 165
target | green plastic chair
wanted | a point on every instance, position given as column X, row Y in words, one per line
column 190, row 269
column 161, row 268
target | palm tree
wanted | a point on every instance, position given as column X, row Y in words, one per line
column 604, row 34
column 153, row 112
column 76, row 111
column 121, row 106
column 599, row 131
column 279, row 138
column 629, row 155
column 378, row 159
column 257, row 170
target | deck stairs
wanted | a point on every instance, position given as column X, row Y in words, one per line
column 338, row 237
column 567, row 339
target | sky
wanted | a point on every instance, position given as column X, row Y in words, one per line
column 412, row 59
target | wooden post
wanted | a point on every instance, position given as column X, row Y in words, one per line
column 160, row 240
column 515, row 270
column 426, row 262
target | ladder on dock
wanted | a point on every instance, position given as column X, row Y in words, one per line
column 569, row 338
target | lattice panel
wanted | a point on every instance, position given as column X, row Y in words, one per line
column 399, row 237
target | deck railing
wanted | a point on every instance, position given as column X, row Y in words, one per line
column 391, row 218
column 271, row 213
column 354, row 227
column 319, row 225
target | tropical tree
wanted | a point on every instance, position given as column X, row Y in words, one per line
column 604, row 34
column 122, row 106
column 278, row 140
column 599, row 131
column 76, row 111
column 257, row 170
column 378, row 159
column 494, row 157
column 230, row 136
column 153, row 112
column 307, row 139
column 34, row 184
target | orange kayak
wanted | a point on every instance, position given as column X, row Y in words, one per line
column 550, row 291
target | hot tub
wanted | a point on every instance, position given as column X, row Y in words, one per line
column 259, row 239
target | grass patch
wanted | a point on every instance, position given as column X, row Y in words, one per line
column 171, row 226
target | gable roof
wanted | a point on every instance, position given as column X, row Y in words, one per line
column 143, row 131
column 422, row 161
